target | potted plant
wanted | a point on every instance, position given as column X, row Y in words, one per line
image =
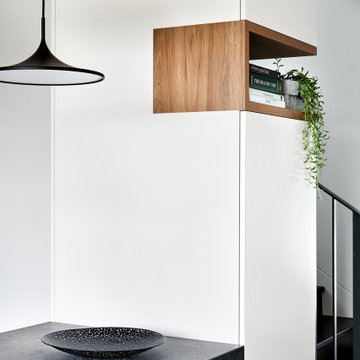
column 290, row 89
column 304, row 94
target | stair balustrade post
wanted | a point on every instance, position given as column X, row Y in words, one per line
column 356, row 286
column 334, row 278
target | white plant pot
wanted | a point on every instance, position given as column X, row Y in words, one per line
column 290, row 87
column 293, row 101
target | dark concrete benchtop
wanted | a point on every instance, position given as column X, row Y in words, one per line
column 25, row 344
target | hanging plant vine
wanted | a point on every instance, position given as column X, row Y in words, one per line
column 315, row 135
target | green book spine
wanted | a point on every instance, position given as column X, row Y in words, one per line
column 265, row 83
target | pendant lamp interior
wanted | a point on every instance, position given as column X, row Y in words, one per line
column 43, row 68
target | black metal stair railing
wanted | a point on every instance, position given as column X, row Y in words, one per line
column 356, row 272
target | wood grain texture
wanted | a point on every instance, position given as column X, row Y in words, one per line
column 199, row 68
column 274, row 110
column 206, row 67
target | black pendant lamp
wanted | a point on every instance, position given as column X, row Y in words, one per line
column 43, row 68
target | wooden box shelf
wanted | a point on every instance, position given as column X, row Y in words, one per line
column 206, row 67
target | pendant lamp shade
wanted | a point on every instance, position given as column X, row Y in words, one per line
column 43, row 68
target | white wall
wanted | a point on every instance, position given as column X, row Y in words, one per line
column 164, row 190
column 25, row 177
column 342, row 172
column 278, row 221
column 293, row 18
column 146, row 206
column 280, row 240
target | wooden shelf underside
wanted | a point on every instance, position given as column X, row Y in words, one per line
column 265, row 43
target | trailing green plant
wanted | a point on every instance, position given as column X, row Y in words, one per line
column 315, row 135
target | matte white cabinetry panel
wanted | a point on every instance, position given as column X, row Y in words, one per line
column 147, row 206
column 293, row 18
column 280, row 241
column 25, row 114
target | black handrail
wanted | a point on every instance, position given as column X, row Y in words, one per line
column 356, row 270
column 339, row 199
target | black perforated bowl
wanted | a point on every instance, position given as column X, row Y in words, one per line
column 104, row 343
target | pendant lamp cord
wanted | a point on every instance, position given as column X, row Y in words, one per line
column 43, row 21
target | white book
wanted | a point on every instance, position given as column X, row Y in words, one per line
column 266, row 94
column 262, row 100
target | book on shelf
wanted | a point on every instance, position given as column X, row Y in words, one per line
column 264, row 71
column 267, row 101
column 266, row 94
column 265, row 83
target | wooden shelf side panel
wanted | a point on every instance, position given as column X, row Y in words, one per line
column 199, row 68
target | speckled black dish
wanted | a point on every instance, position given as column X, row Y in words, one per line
column 104, row 343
